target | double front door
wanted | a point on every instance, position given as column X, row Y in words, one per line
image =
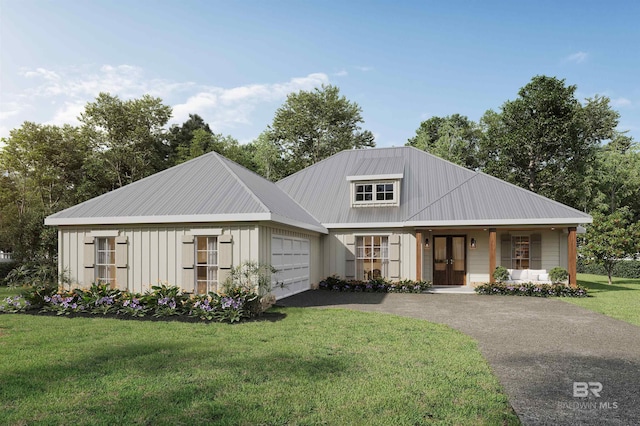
column 449, row 260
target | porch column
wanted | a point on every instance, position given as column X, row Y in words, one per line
column 492, row 253
column 572, row 256
column 418, row 255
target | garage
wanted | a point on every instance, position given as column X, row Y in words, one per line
column 290, row 256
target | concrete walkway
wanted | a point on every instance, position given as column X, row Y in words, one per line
column 537, row 348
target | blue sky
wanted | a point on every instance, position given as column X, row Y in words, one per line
column 233, row 62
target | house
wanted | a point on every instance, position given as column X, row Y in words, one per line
column 397, row 213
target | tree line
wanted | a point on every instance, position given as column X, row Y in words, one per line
column 545, row 140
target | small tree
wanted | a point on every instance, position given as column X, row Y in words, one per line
column 610, row 239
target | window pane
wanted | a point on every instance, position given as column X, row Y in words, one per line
column 201, row 243
column 359, row 188
column 202, row 273
column 359, row 197
column 368, row 188
column 388, row 187
column 389, row 196
column 379, row 188
column 368, row 197
column 380, row 196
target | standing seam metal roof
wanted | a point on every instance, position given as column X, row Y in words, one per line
column 208, row 185
column 433, row 191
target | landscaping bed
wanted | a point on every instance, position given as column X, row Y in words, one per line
column 381, row 285
column 531, row 289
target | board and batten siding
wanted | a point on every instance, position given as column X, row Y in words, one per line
column 315, row 252
column 339, row 246
column 154, row 252
column 478, row 258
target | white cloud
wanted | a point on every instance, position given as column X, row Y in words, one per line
column 621, row 102
column 341, row 73
column 364, row 68
column 59, row 96
column 578, row 57
column 227, row 108
column 68, row 114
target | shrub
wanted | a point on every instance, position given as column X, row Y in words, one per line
column 379, row 285
column 5, row 268
column 501, row 274
column 161, row 301
column 558, row 275
column 530, row 289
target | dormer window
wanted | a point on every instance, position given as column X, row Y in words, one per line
column 376, row 182
column 375, row 193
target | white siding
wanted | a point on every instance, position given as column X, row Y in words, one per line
column 478, row 258
column 335, row 249
column 154, row 253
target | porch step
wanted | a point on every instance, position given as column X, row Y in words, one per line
column 451, row 289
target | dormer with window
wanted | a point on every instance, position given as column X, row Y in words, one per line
column 376, row 182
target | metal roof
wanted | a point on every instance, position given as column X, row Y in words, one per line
column 206, row 189
column 433, row 192
column 377, row 168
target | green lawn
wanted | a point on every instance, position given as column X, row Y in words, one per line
column 310, row 367
column 620, row 300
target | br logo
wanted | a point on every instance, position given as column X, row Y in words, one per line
column 582, row 389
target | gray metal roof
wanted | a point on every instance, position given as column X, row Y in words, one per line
column 378, row 167
column 205, row 189
column 434, row 192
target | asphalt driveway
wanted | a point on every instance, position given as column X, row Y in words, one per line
column 537, row 348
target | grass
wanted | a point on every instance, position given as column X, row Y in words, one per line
column 310, row 367
column 620, row 300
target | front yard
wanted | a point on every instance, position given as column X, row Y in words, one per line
column 620, row 300
column 310, row 366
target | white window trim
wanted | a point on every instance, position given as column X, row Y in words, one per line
column 97, row 265
column 375, row 203
column 383, row 260
column 215, row 282
column 105, row 233
column 206, row 232
column 514, row 259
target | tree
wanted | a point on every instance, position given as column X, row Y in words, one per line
column 128, row 137
column 313, row 125
column 616, row 177
column 267, row 158
column 41, row 169
column 610, row 239
column 545, row 140
column 454, row 138
column 180, row 137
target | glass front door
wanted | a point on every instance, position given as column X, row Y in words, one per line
column 449, row 262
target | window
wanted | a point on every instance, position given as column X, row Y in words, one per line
column 372, row 257
column 373, row 193
column 105, row 266
column 206, row 264
column 520, row 252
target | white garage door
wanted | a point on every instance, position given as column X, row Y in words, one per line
column 290, row 256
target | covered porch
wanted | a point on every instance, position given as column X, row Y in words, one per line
column 468, row 256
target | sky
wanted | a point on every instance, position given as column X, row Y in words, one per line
column 234, row 62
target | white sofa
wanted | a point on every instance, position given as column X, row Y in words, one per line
column 520, row 276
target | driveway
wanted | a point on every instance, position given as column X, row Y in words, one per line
column 537, row 348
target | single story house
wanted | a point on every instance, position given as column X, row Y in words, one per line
column 397, row 213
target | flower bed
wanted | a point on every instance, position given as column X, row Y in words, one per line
column 161, row 302
column 335, row 283
column 531, row 289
